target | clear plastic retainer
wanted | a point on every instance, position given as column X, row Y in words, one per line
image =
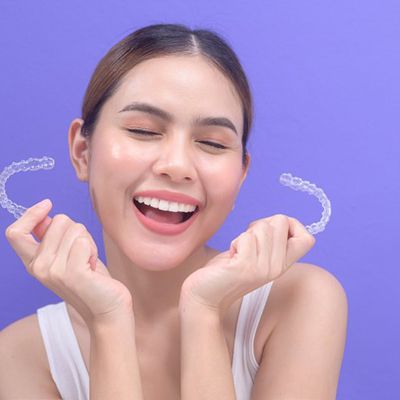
column 31, row 164
column 297, row 183
column 35, row 164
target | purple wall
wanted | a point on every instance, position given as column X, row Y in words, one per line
column 325, row 78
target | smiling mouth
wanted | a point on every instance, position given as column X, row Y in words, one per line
column 166, row 217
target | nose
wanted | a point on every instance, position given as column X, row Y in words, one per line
column 175, row 159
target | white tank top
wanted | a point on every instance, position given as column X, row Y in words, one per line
column 71, row 377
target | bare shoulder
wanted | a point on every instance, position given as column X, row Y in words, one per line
column 316, row 287
column 309, row 307
column 24, row 369
column 318, row 296
column 310, row 278
column 307, row 288
column 303, row 286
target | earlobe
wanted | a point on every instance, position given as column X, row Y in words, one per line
column 78, row 149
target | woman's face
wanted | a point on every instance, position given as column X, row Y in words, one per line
column 179, row 158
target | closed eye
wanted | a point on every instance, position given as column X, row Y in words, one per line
column 213, row 144
column 150, row 133
column 143, row 132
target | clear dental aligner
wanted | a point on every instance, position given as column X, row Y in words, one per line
column 31, row 164
column 34, row 164
column 297, row 183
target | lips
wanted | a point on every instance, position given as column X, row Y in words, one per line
column 164, row 228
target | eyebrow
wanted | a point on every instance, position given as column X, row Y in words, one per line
column 198, row 121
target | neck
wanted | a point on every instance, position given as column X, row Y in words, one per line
column 155, row 288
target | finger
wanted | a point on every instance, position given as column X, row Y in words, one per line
column 300, row 241
column 264, row 233
column 51, row 242
column 234, row 242
column 245, row 246
column 80, row 254
column 19, row 234
column 94, row 261
column 71, row 235
column 258, row 221
column 41, row 228
column 280, row 223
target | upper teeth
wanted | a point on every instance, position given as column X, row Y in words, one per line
column 165, row 205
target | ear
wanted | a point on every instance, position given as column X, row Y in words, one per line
column 245, row 168
column 79, row 150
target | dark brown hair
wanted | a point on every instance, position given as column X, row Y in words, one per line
column 160, row 40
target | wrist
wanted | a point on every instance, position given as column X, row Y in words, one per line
column 117, row 320
column 190, row 309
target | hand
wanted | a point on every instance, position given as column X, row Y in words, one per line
column 260, row 255
column 65, row 261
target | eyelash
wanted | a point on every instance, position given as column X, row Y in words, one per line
column 150, row 133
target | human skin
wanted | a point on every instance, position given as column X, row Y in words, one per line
column 152, row 267
column 117, row 163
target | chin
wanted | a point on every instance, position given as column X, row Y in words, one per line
column 160, row 258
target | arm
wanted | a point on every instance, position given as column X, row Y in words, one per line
column 303, row 355
column 24, row 370
column 205, row 363
column 114, row 367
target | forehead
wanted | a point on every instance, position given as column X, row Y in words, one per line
column 182, row 85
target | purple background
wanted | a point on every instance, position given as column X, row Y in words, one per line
column 325, row 80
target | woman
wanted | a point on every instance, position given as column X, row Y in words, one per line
column 162, row 145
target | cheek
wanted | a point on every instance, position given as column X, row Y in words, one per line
column 109, row 170
column 227, row 193
column 114, row 161
column 223, row 183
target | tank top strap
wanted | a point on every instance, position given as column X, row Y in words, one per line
column 244, row 363
column 65, row 359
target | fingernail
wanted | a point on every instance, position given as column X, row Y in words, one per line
column 43, row 204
